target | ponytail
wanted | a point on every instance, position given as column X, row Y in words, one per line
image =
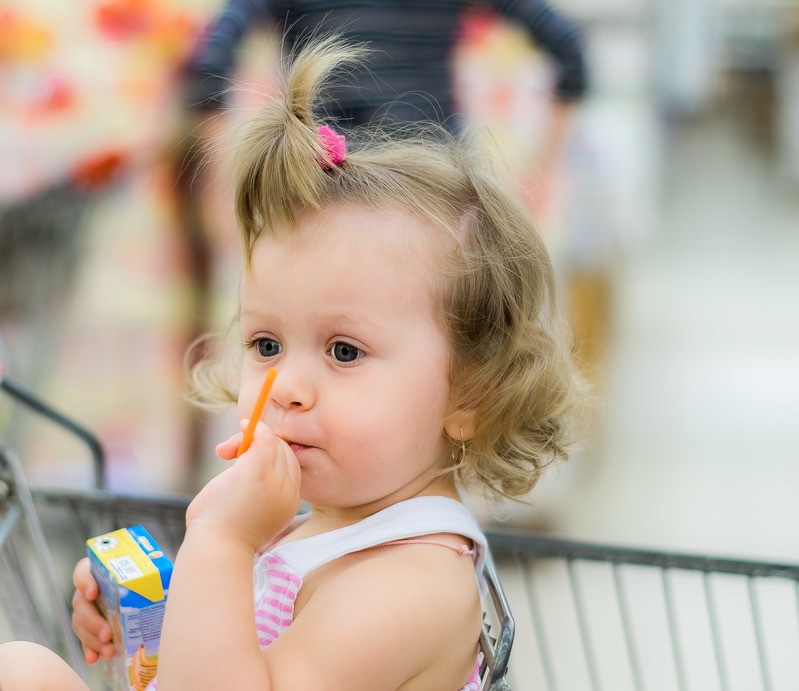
column 280, row 162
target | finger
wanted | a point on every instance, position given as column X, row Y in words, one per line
column 90, row 626
column 105, row 651
column 262, row 440
column 227, row 449
column 90, row 655
column 86, row 619
column 263, row 432
column 265, row 442
column 91, row 634
column 83, row 579
column 289, row 460
column 89, row 641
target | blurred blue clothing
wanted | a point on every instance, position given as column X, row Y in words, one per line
column 408, row 75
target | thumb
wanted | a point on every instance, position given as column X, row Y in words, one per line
column 292, row 465
column 227, row 449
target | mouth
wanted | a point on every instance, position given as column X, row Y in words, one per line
column 296, row 447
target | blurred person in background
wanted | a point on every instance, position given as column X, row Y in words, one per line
column 409, row 76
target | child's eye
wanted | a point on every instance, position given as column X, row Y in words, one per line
column 267, row 347
column 345, row 352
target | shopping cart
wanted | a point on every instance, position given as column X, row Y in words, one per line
column 42, row 243
column 592, row 616
column 43, row 532
column 40, row 233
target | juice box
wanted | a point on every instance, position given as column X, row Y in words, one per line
column 133, row 574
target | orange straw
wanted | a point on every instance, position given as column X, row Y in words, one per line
column 257, row 411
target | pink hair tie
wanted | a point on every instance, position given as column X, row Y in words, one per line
column 334, row 144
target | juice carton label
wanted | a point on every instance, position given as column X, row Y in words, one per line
column 133, row 574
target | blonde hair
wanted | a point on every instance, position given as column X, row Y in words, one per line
column 511, row 360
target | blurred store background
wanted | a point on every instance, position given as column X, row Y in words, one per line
column 673, row 216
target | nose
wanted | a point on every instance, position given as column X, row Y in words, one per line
column 293, row 388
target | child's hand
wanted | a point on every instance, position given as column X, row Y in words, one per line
column 254, row 499
column 91, row 627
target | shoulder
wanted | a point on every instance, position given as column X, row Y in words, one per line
column 424, row 573
column 426, row 591
column 420, row 599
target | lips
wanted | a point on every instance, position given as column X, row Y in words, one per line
column 296, row 447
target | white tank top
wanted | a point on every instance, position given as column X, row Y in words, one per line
column 278, row 573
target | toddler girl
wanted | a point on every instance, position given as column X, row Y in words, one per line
column 408, row 305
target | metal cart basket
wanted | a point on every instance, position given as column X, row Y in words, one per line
column 601, row 617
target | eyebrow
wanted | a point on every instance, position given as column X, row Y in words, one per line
column 349, row 319
column 335, row 317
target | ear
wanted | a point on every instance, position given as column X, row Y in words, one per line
column 460, row 426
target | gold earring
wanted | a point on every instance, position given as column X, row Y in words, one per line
column 458, row 453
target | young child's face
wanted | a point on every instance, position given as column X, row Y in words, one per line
column 345, row 308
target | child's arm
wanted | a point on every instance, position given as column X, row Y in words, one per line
column 209, row 639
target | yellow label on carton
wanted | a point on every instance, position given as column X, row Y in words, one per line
column 126, row 560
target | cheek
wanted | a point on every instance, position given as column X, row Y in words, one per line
column 242, row 406
column 248, row 392
column 422, row 410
